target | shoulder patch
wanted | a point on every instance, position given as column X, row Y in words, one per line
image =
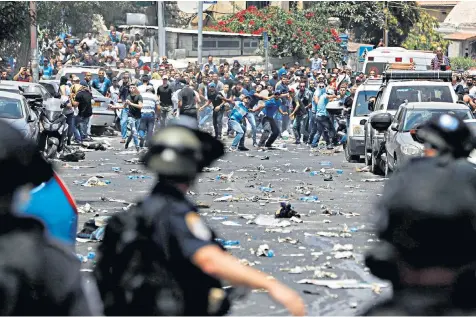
column 197, row 227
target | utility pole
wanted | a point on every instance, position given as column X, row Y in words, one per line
column 385, row 31
column 161, row 34
column 33, row 42
column 200, row 30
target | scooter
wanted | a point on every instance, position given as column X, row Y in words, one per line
column 55, row 130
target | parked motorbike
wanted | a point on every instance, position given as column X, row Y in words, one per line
column 55, row 129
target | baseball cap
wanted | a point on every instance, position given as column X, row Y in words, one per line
column 165, row 77
column 83, row 83
column 277, row 92
column 212, row 85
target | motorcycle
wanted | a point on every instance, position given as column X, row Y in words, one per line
column 55, row 129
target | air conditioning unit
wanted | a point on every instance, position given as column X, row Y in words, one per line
column 136, row 19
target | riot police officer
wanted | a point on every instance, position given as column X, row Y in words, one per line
column 37, row 275
column 427, row 218
column 177, row 154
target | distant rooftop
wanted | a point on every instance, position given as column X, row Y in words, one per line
column 436, row 3
column 463, row 13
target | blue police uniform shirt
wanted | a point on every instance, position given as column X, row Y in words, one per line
column 271, row 107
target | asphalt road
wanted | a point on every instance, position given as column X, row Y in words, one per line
column 344, row 214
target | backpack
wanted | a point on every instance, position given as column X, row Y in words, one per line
column 132, row 272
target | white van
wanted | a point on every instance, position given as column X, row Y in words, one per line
column 355, row 146
column 377, row 59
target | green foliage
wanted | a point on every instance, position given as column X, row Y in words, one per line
column 14, row 18
column 464, row 63
column 293, row 33
column 423, row 35
column 366, row 19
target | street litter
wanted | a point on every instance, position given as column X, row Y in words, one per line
column 202, row 205
column 344, row 255
column 74, row 156
column 345, row 247
column 229, row 189
column 374, row 180
column 326, row 163
column 128, row 207
column 328, row 178
column 245, row 262
column 296, row 220
column 288, row 239
column 313, row 199
column 95, row 146
column 134, row 160
column 307, row 169
column 269, row 221
column 265, row 158
column 92, row 230
column 263, row 250
column 363, row 169
column 247, row 216
column 227, row 242
column 116, row 169
column 85, row 209
column 298, row 269
column 139, row 177
column 271, row 230
column 266, row 189
column 103, row 198
column 231, row 223
column 294, row 254
column 94, row 181
column 224, row 177
column 211, row 169
column 339, row 284
column 324, row 274
column 286, row 211
column 226, row 198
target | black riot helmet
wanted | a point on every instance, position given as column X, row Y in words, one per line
column 20, row 161
column 447, row 134
column 180, row 151
column 426, row 218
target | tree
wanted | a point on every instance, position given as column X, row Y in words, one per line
column 366, row 19
column 293, row 33
column 14, row 19
column 423, row 35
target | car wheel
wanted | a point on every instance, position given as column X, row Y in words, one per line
column 350, row 158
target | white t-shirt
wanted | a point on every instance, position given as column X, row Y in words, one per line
column 316, row 63
column 92, row 44
column 472, row 92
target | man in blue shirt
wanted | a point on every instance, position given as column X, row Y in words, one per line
column 282, row 71
column 270, row 108
column 102, row 83
column 322, row 119
column 237, row 123
column 47, row 70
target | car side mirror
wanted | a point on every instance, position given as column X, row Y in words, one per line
column 363, row 121
column 31, row 117
column 394, row 126
column 57, row 95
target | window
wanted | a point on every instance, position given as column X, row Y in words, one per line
column 228, row 44
column 362, row 104
column 257, row 4
column 418, row 94
column 250, row 44
column 217, row 44
column 415, row 118
column 10, row 108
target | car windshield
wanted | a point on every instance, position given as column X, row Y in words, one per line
column 49, row 87
column 377, row 67
column 400, row 94
column 415, row 118
column 32, row 89
column 81, row 75
column 362, row 104
column 10, row 108
column 10, row 89
column 96, row 93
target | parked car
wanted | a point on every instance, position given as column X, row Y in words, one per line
column 52, row 100
column 400, row 130
column 51, row 85
column 359, row 114
column 14, row 109
column 398, row 87
column 102, row 117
